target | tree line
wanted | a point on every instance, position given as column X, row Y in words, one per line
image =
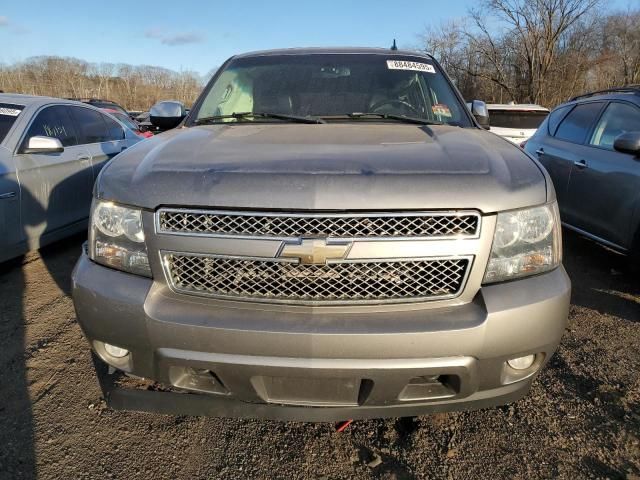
column 537, row 51
column 134, row 87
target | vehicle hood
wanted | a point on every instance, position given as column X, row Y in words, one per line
column 347, row 166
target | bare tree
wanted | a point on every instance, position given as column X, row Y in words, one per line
column 621, row 34
column 531, row 33
column 540, row 51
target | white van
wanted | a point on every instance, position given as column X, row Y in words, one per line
column 516, row 122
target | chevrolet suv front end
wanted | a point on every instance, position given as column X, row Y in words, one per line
column 331, row 236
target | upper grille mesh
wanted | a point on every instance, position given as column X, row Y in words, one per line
column 344, row 281
column 373, row 225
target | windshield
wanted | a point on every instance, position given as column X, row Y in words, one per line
column 522, row 120
column 332, row 86
column 8, row 115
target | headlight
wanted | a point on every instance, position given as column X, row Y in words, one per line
column 116, row 238
column 525, row 242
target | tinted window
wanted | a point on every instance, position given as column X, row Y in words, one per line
column 576, row 124
column 556, row 117
column 515, row 119
column 54, row 122
column 617, row 118
column 90, row 124
column 8, row 115
column 114, row 129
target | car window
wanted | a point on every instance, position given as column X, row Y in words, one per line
column 523, row 120
column 8, row 114
column 576, row 124
column 617, row 118
column 556, row 117
column 90, row 125
column 126, row 120
column 54, row 122
column 114, row 129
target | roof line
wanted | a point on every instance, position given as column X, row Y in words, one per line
column 627, row 89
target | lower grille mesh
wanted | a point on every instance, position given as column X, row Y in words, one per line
column 342, row 282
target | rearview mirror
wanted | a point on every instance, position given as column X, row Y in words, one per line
column 41, row 144
column 480, row 113
column 628, row 142
column 167, row 115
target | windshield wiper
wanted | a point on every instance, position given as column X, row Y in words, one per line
column 245, row 115
column 392, row 116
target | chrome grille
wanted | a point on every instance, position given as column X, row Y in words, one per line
column 344, row 281
column 356, row 225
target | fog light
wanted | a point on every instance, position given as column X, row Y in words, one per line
column 116, row 352
column 522, row 363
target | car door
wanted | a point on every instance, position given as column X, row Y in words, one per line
column 102, row 136
column 549, row 151
column 115, row 143
column 605, row 184
column 566, row 147
column 56, row 187
column 12, row 237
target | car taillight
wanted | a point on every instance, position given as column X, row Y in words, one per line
column 522, row 144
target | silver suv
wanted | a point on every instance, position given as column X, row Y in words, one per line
column 329, row 235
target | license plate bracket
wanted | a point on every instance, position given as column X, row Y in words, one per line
column 319, row 392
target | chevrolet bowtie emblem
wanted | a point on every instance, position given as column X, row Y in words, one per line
column 314, row 251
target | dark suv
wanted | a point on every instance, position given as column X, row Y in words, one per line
column 591, row 149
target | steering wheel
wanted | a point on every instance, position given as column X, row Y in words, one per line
column 392, row 101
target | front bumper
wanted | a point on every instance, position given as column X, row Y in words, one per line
column 319, row 364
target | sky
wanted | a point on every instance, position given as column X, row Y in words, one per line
column 198, row 36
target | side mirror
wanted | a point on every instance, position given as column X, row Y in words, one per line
column 628, row 142
column 167, row 115
column 41, row 144
column 480, row 113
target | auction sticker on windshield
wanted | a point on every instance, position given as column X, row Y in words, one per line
column 406, row 65
column 12, row 112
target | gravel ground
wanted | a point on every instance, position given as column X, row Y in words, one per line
column 581, row 419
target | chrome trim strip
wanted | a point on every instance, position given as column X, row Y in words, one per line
column 7, row 195
column 165, row 267
column 250, row 213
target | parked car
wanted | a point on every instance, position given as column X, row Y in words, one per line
column 51, row 151
column 142, row 117
column 134, row 113
column 516, row 122
column 331, row 235
column 128, row 122
column 143, row 120
column 591, row 148
column 100, row 103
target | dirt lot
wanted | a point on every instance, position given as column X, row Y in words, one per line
column 581, row 420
